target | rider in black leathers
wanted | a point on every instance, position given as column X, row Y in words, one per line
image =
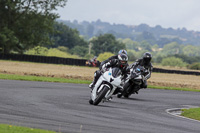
column 112, row 57
column 146, row 62
column 120, row 62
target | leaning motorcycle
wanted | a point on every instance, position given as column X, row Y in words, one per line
column 133, row 81
column 106, row 85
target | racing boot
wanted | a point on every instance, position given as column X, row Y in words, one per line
column 91, row 86
column 97, row 74
column 118, row 90
column 109, row 99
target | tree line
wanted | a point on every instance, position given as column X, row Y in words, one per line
column 26, row 23
column 31, row 27
column 157, row 35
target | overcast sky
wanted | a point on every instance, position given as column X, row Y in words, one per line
column 167, row 13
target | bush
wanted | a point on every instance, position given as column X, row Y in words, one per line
column 63, row 49
column 43, row 51
column 104, row 56
column 195, row 66
column 131, row 55
column 79, row 50
column 89, row 56
column 173, row 61
column 38, row 50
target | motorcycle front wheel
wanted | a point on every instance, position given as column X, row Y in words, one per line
column 101, row 95
column 126, row 90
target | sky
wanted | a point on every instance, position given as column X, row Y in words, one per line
column 166, row 13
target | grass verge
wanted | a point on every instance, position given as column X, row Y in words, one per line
column 193, row 113
column 76, row 81
column 172, row 88
column 4, row 128
column 42, row 79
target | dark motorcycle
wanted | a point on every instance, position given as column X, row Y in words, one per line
column 133, row 82
column 92, row 63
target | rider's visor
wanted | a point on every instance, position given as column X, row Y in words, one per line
column 123, row 62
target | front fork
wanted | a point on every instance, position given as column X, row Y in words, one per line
column 97, row 90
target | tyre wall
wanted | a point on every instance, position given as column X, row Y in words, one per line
column 43, row 59
column 77, row 62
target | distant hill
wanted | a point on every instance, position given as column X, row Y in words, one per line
column 154, row 35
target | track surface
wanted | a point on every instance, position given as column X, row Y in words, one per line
column 64, row 107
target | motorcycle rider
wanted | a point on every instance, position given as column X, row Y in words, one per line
column 112, row 57
column 121, row 62
column 146, row 62
column 97, row 73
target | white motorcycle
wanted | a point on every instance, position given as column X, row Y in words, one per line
column 106, row 85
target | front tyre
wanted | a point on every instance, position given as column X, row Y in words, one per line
column 101, row 95
column 119, row 95
column 127, row 90
column 126, row 95
column 90, row 101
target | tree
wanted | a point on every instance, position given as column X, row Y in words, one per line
column 195, row 66
column 191, row 50
column 163, row 41
column 79, row 50
column 173, row 61
column 171, row 49
column 8, row 40
column 106, row 43
column 146, row 36
column 38, row 50
column 188, row 59
column 131, row 55
column 90, row 30
column 66, row 36
column 104, row 56
column 26, row 23
column 44, row 51
column 145, row 46
column 130, row 44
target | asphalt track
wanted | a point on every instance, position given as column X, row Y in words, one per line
column 65, row 108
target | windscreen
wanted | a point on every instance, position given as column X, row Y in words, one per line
column 116, row 72
column 139, row 69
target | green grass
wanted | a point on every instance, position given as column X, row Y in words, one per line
column 193, row 113
column 4, row 128
column 42, row 79
column 173, row 88
column 76, row 81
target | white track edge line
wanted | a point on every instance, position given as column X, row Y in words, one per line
column 168, row 111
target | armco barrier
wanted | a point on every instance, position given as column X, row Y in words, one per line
column 77, row 62
column 43, row 59
column 160, row 70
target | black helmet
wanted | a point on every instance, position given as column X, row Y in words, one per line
column 147, row 58
column 122, row 52
column 123, row 59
